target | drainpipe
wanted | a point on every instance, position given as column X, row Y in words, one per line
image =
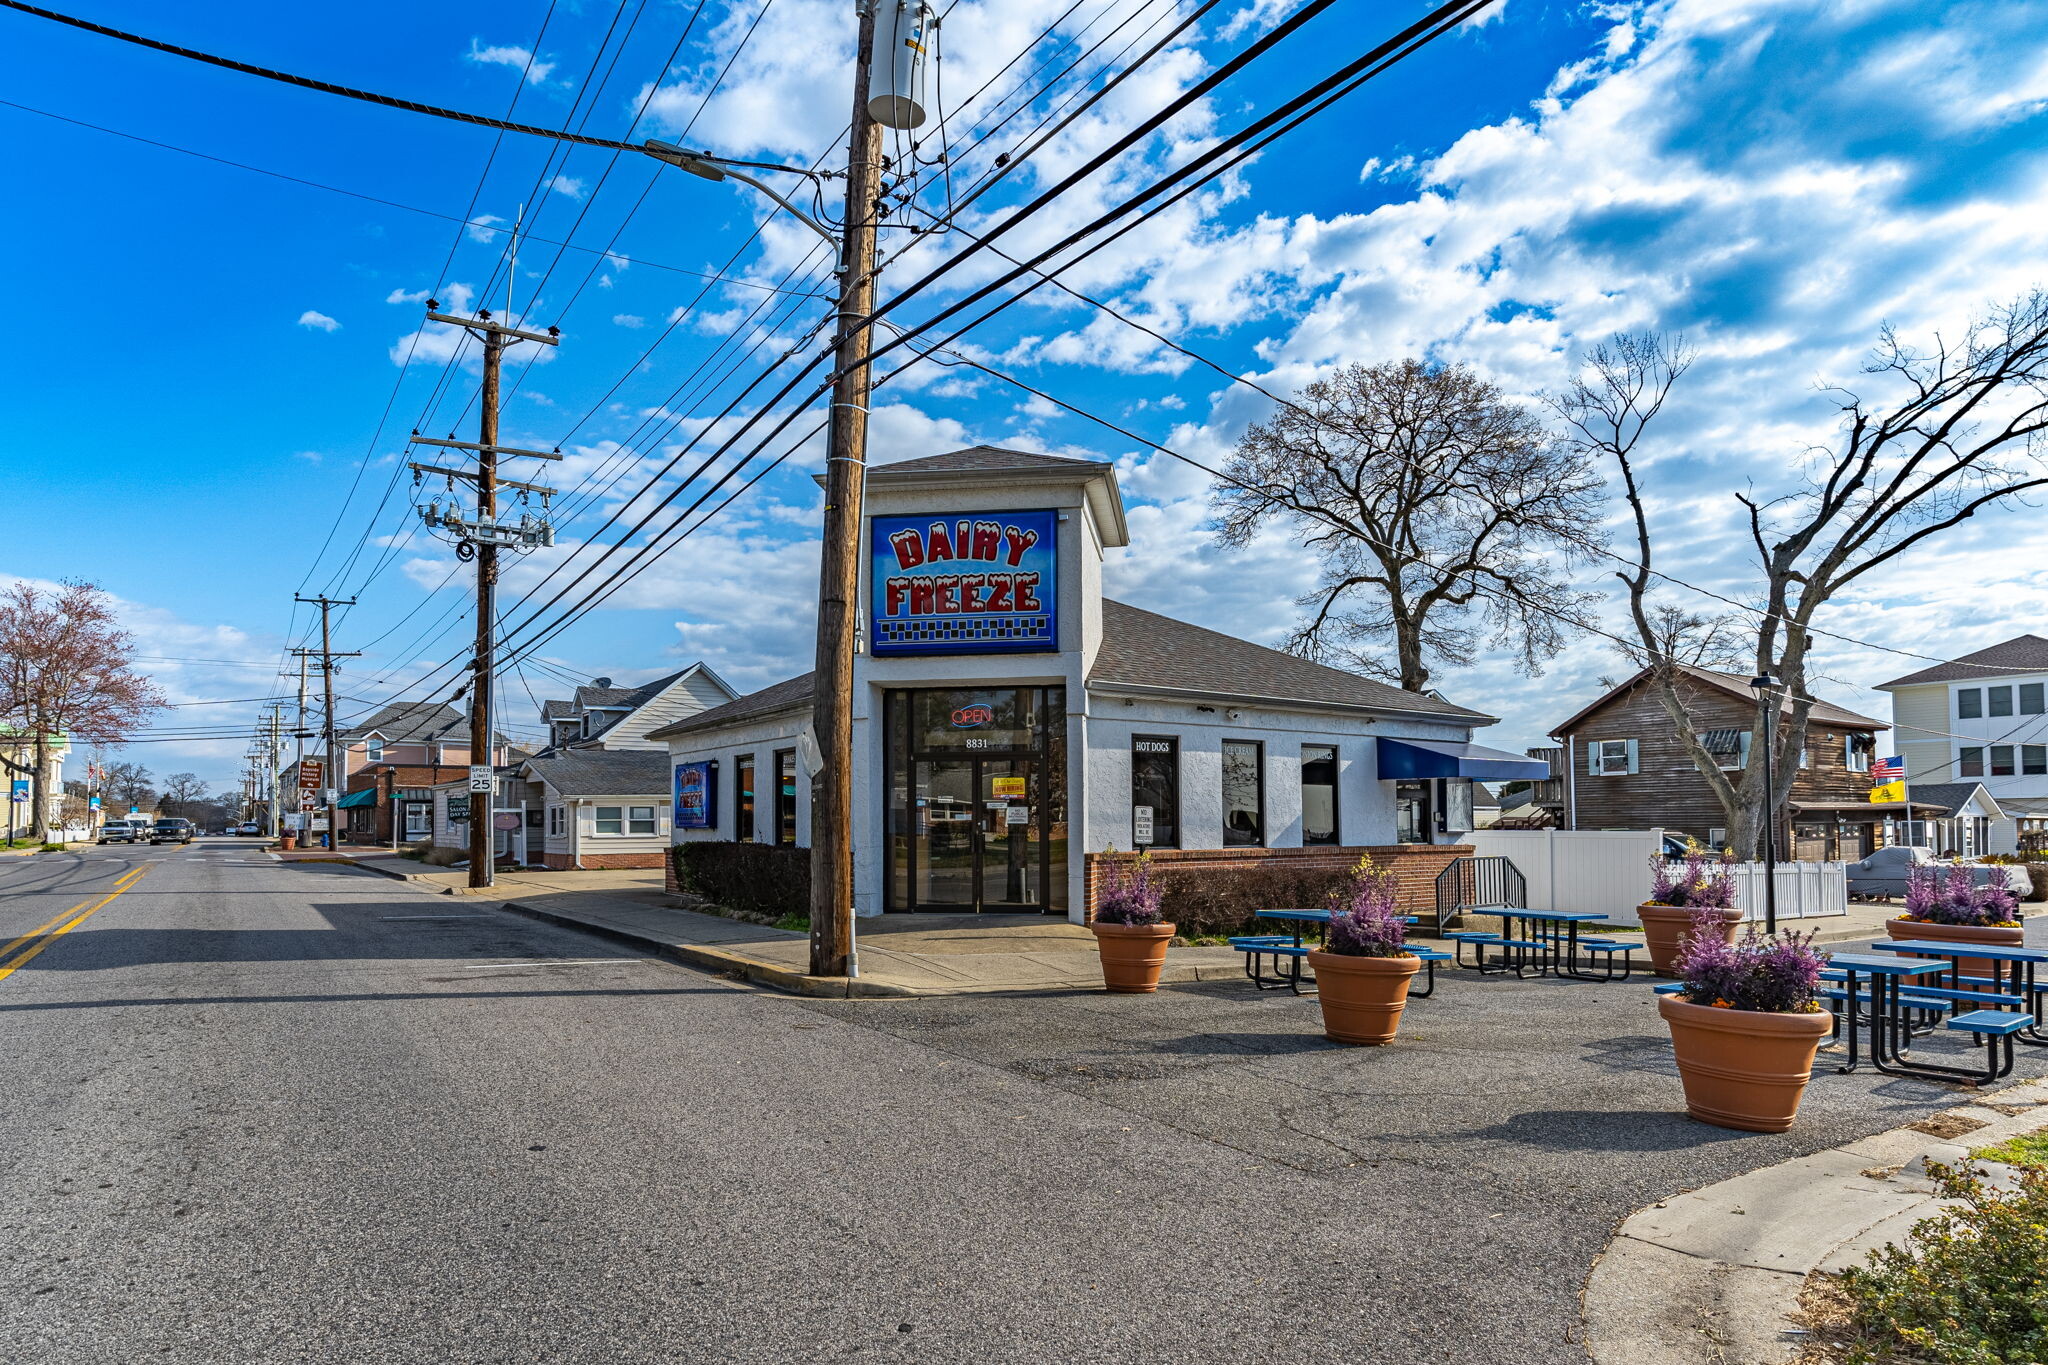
column 576, row 835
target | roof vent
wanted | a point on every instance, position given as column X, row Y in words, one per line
column 600, row 682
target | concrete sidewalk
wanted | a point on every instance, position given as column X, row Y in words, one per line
column 927, row 956
column 1713, row 1276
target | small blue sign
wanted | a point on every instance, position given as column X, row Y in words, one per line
column 20, row 792
column 984, row 583
column 696, row 796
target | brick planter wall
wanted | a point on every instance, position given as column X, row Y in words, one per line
column 1415, row 866
column 668, row 872
column 567, row 862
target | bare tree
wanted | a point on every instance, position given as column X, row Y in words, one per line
column 130, row 784
column 1960, row 431
column 65, row 670
column 182, row 793
column 1444, row 513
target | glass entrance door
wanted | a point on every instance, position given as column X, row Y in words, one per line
column 976, row 846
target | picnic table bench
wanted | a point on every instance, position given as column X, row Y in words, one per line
column 1272, row 961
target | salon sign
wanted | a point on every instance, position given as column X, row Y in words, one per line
column 984, row 583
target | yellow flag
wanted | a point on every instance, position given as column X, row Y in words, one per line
column 1889, row 791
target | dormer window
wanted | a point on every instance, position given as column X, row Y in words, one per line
column 373, row 748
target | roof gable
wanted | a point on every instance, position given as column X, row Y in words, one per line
column 2021, row 654
column 1728, row 685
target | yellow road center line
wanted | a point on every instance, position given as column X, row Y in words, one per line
column 12, row 967
column 40, row 929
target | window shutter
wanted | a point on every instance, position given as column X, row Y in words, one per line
column 1593, row 759
column 1633, row 765
column 1742, row 749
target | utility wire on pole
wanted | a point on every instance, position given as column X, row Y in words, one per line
column 481, row 538
column 332, row 767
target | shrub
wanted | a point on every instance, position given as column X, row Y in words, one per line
column 1779, row 974
column 1129, row 894
column 1363, row 922
column 1952, row 896
column 761, row 879
column 1972, row 1286
column 1207, row 901
column 1691, row 883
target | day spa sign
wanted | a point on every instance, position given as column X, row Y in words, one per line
column 983, row 584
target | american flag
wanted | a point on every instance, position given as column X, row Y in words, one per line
column 1887, row 770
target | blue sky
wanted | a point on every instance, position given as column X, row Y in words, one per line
column 200, row 355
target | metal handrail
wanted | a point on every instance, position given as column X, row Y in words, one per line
column 1479, row 883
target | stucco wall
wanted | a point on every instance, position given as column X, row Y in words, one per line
column 761, row 738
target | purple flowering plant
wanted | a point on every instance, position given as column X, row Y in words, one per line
column 1692, row 883
column 1772, row 974
column 1129, row 894
column 1952, row 896
column 1363, row 918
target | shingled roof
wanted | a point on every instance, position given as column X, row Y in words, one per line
column 1144, row 649
column 2021, row 654
column 603, row 772
column 1732, row 685
column 412, row 722
column 788, row 695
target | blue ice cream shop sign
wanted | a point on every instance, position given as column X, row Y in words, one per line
column 978, row 584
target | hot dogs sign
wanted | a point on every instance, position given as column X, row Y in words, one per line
column 981, row 583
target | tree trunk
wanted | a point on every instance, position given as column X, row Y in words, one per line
column 38, row 800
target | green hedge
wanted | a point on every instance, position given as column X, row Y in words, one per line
column 1213, row 900
column 761, row 879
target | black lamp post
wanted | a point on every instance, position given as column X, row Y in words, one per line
column 1766, row 688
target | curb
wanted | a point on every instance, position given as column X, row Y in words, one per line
column 1714, row 1275
column 726, row 963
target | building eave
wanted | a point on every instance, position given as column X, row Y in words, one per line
column 1113, row 687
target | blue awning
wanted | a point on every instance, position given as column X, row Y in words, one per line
column 1411, row 759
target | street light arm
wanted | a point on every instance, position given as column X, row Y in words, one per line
column 717, row 168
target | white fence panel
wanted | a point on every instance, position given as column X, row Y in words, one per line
column 1805, row 890
column 1607, row 872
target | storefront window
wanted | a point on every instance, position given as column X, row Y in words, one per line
column 743, row 798
column 1412, row 823
column 1244, row 793
column 1155, row 786
column 1319, row 794
column 975, row 718
column 785, row 796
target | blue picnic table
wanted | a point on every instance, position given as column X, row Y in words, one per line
column 1901, row 987
column 1285, row 953
column 1547, row 942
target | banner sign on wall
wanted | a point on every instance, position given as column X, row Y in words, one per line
column 979, row 584
column 696, row 797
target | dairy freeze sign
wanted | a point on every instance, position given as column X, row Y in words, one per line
column 977, row 584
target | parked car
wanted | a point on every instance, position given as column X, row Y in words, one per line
column 1882, row 875
column 172, row 832
column 123, row 832
column 249, row 827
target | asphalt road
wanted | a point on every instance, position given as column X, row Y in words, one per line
column 259, row 1113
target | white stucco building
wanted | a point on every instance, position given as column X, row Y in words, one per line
column 1009, row 719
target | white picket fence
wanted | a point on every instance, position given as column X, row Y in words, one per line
column 1607, row 871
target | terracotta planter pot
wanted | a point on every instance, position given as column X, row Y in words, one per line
column 1362, row 997
column 290, row 842
column 1132, row 955
column 2015, row 937
column 1667, row 927
column 1742, row 1068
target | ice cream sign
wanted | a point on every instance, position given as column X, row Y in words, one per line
column 978, row 584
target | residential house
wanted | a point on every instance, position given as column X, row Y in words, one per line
column 1981, row 718
column 1622, row 765
column 391, row 761
column 600, row 790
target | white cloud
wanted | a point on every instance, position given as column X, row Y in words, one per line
column 518, row 58
column 309, row 456
column 567, row 184
column 318, row 321
column 483, row 227
column 629, row 320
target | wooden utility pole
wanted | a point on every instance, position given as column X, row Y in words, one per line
column 332, row 768
column 482, row 538
column 839, row 566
